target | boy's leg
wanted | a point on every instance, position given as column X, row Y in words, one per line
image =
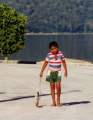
column 52, row 86
column 58, row 89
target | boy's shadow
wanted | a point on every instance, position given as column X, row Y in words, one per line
column 75, row 103
column 2, row 92
column 29, row 97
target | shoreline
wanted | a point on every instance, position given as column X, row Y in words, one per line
column 69, row 60
column 58, row 33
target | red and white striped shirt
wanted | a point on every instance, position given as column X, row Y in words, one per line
column 54, row 61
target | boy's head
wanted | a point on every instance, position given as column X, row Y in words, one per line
column 53, row 47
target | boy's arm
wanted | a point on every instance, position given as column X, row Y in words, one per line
column 43, row 68
column 65, row 67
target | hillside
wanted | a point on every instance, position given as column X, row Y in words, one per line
column 56, row 15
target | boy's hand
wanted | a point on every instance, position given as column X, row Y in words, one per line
column 41, row 74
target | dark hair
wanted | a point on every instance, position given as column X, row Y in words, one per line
column 53, row 44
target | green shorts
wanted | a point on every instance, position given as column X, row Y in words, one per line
column 53, row 76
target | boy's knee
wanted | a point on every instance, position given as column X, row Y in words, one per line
column 52, row 85
column 58, row 90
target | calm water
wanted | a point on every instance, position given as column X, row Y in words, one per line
column 79, row 46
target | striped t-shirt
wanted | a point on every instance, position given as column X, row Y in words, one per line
column 54, row 61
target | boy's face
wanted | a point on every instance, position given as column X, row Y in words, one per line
column 54, row 49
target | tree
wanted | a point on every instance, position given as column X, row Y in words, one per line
column 12, row 29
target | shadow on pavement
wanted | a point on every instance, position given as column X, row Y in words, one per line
column 2, row 93
column 32, row 96
column 76, row 103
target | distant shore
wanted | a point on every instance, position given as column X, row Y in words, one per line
column 69, row 60
column 59, row 33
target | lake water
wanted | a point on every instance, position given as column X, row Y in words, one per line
column 78, row 46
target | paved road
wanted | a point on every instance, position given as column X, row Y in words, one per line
column 19, row 83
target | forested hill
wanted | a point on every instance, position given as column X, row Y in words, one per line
column 56, row 15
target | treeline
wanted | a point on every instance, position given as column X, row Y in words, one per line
column 56, row 15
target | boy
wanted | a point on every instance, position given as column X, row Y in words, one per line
column 54, row 60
